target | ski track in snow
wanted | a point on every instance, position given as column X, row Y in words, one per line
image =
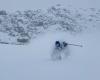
column 32, row 62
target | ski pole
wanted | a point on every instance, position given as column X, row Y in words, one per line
column 76, row 45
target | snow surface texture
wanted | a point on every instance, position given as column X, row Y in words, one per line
column 33, row 61
column 21, row 26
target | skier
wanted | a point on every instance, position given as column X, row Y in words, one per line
column 59, row 49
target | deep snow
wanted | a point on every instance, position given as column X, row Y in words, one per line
column 33, row 62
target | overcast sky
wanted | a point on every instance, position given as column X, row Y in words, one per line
column 37, row 4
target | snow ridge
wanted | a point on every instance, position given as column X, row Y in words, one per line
column 21, row 26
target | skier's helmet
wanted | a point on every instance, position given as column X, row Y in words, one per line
column 57, row 44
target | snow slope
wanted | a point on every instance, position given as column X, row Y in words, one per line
column 32, row 62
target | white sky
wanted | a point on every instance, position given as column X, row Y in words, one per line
column 34, row 4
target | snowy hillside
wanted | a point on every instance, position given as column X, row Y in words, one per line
column 22, row 26
column 27, row 40
column 33, row 62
